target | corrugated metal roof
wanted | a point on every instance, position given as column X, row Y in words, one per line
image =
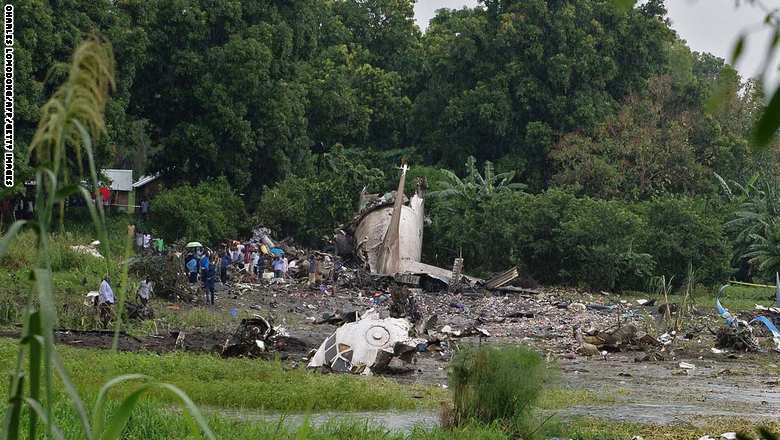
column 121, row 180
column 145, row 179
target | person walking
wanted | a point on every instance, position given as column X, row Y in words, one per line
column 204, row 267
column 210, row 281
column 139, row 240
column 313, row 268
column 147, row 241
column 256, row 263
column 261, row 264
column 144, row 209
column 277, row 265
column 247, row 259
column 235, row 254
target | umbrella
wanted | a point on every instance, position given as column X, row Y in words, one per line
column 194, row 244
column 277, row 251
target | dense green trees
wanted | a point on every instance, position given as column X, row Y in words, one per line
column 309, row 208
column 244, row 89
column 208, row 212
column 612, row 124
column 504, row 81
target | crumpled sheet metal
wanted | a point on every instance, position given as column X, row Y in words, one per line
column 365, row 345
column 251, row 337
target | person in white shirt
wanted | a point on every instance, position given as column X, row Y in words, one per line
column 105, row 302
column 147, row 240
column 106, row 294
column 139, row 240
column 145, row 290
column 256, row 263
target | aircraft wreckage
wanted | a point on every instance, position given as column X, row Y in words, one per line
column 387, row 236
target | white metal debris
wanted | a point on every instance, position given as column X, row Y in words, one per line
column 90, row 249
column 370, row 343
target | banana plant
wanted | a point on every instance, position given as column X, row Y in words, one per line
column 475, row 185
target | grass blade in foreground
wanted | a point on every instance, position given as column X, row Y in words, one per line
column 72, row 118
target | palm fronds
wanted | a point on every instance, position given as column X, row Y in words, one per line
column 475, row 185
column 755, row 223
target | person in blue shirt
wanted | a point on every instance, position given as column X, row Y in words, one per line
column 210, row 279
column 204, row 267
column 191, row 263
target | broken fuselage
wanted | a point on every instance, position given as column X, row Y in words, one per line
column 389, row 229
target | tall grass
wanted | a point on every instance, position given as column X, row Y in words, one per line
column 497, row 385
column 71, row 120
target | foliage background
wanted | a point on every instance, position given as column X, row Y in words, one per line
column 612, row 124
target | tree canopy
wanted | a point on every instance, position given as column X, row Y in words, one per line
column 289, row 104
column 253, row 90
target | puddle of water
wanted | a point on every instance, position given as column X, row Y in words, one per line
column 397, row 421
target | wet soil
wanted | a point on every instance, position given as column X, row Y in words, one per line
column 663, row 393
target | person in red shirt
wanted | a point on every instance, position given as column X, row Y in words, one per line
column 105, row 194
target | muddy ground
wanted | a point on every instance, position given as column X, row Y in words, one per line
column 622, row 385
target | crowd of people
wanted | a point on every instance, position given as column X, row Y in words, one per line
column 207, row 267
column 201, row 265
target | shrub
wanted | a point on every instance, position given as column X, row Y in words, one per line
column 496, row 384
column 556, row 237
column 553, row 236
column 600, row 239
column 680, row 232
column 208, row 212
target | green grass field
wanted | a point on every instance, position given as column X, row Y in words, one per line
column 237, row 383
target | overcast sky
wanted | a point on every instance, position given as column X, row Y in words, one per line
column 707, row 25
